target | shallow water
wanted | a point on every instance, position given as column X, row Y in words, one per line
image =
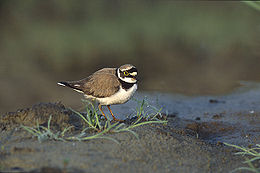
column 231, row 118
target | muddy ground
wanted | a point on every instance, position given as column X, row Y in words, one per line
column 191, row 144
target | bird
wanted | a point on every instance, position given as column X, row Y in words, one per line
column 107, row 86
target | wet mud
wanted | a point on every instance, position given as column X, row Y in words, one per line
column 191, row 143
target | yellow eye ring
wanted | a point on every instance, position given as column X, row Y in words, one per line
column 126, row 73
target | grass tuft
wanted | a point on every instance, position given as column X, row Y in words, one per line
column 254, row 154
column 42, row 133
column 145, row 114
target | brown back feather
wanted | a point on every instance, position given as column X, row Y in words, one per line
column 102, row 83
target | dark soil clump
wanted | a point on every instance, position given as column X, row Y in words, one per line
column 40, row 113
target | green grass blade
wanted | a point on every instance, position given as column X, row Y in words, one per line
column 139, row 119
column 251, row 160
column 31, row 130
column 246, row 169
column 130, row 131
column 81, row 116
column 119, row 126
column 49, row 122
column 147, row 122
column 249, row 152
column 65, row 130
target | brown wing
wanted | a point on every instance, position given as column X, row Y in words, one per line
column 107, row 70
column 100, row 85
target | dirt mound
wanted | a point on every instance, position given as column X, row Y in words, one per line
column 40, row 113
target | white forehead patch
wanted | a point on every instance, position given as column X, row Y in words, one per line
column 133, row 74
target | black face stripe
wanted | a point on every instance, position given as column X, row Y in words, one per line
column 132, row 70
column 132, row 76
column 122, row 75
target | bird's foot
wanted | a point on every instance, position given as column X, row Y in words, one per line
column 117, row 120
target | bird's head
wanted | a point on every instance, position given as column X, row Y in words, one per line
column 127, row 73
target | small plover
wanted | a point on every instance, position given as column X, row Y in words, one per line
column 107, row 86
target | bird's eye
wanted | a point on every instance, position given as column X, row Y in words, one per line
column 126, row 73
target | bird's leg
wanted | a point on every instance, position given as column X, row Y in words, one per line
column 100, row 108
column 114, row 118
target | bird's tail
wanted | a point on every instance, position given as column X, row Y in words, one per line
column 73, row 85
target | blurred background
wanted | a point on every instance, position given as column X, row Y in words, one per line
column 190, row 48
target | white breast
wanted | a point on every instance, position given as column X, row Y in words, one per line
column 120, row 97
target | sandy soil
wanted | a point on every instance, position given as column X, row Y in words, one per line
column 180, row 146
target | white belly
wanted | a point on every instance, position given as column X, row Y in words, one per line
column 120, row 97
